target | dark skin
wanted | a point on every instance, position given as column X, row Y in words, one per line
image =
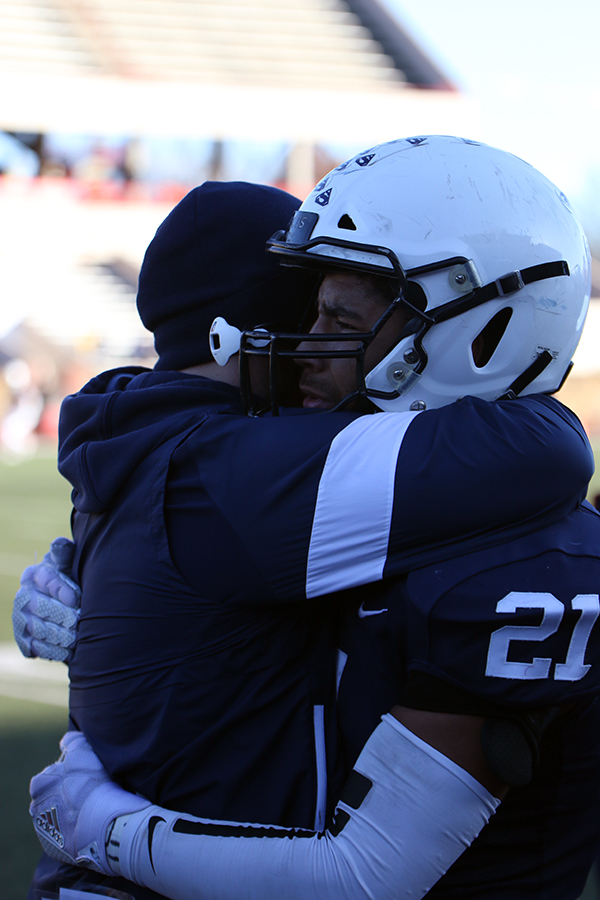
column 347, row 303
column 458, row 737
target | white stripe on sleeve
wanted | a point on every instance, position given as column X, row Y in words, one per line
column 321, row 767
column 351, row 525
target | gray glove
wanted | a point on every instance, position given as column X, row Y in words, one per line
column 46, row 607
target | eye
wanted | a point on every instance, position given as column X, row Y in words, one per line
column 346, row 326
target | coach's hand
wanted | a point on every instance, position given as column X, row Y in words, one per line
column 46, row 607
column 73, row 803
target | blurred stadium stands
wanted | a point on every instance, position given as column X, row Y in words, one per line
column 113, row 109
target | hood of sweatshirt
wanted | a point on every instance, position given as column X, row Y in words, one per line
column 109, row 427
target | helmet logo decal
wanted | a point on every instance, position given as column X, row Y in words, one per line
column 320, row 185
column 417, row 141
column 564, row 200
column 365, row 160
column 323, row 199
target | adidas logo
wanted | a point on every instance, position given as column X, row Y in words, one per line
column 48, row 823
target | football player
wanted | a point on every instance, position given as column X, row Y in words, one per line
column 490, row 280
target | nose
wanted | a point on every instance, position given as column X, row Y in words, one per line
column 311, row 362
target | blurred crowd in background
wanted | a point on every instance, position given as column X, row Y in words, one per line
column 158, row 168
column 76, row 213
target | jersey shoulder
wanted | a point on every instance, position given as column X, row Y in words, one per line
column 516, row 623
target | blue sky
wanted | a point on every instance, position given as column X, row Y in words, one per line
column 532, row 66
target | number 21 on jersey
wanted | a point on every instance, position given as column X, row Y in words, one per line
column 573, row 668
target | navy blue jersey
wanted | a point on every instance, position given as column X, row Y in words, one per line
column 207, row 541
column 510, row 628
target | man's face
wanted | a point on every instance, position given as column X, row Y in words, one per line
column 346, row 303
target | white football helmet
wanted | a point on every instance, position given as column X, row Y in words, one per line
column 493, row 247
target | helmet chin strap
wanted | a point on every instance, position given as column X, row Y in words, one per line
column 536, row 368
column 501, row 287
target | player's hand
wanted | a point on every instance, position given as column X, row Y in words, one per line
column 73, row 804
column 46, row 607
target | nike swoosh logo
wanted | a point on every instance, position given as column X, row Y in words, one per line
column 363, row 613
column 154, row 820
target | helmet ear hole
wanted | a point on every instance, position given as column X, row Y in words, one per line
column 346, row 223
column 486, row 343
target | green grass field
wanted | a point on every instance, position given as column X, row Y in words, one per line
column 35, row 508
column 30, row 733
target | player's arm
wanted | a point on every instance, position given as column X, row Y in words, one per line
column 344, row 506
column 407, row 813
column 350, row 504
column 457, row 736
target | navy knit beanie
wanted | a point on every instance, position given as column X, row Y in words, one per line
column 208, row 259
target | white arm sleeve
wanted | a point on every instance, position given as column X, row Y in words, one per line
column 408, row 814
